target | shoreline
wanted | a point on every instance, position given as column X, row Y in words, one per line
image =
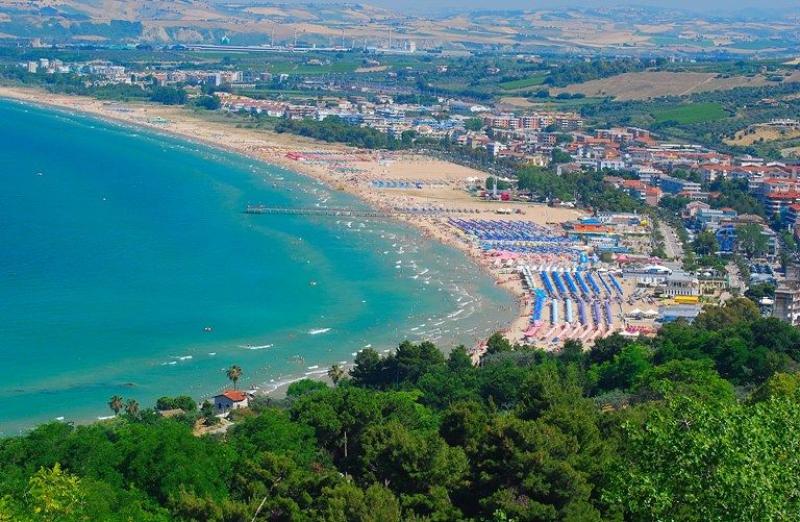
column 275, row 149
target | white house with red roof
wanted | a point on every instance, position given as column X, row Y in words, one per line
column 230, row 400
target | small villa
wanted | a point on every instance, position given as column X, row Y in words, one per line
column 230, row 400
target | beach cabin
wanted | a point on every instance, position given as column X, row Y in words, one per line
column 230, row 400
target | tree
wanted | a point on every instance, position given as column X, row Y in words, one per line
column 623, row 370
column 501, row 185
column 207, row 413
column 559, row 156
column 182, row 402
column 572, row 352
column 779, row 386
column 347, row 501
column 705, row 244
column 531, row 470
column 168, row 95
column 673, row 203
column 273, row 430
column 234, row 373
column 335, row 373
column 735, row 311
column 210, row 103
column 55, row 495
column 759, row 291
column 685, row 378
column 606, row 348
column 751, row 240
column 497, row 343
column 367, row 368
column 115, row 403
column 473, row 124
column 698, row 461
column 303, row 387
column 788, row 241
column 411, row 461
column 410, row 361
column 132, row 407
column 459, row 360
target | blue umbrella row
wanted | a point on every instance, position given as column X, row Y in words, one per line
column 502, row 230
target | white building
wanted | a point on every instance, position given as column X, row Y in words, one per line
column 681, row 284
column 230, row 400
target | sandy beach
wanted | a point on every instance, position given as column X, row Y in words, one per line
column 413, row 188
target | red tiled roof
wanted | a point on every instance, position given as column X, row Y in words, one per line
column 778, row 181
column 633, row 183
column 590, row 228
column 783, row 195
column 234, row 395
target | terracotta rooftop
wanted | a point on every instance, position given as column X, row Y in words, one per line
column 234, row 395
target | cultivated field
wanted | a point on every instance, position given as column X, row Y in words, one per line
column 764, row 134
column 524, row 83
column 654, row 84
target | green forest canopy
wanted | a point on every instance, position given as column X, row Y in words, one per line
column 699, row 423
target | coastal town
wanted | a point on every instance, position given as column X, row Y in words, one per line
column 579, row 273
column 290, row 261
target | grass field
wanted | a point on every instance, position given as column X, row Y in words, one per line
column 523, row 83
column 691, row 113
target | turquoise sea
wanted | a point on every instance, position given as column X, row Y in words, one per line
column 118, row 247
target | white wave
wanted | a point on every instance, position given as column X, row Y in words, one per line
column 317, row 331
column 258, row 347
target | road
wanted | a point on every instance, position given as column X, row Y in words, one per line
column 672, row 245
column 735, row 277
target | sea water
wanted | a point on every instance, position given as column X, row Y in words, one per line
column 127, row 266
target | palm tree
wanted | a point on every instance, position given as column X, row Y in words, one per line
column 233, row 373
column 132, row 407
column 335, row 373
column 115, row 403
